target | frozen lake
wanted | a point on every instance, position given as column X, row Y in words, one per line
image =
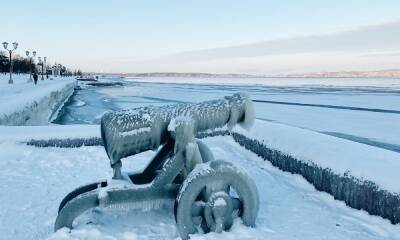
column 364, row 114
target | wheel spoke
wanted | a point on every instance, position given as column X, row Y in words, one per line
column 237, row 204
column 197, row 220
column 219, row 225
column 197, row 208
column 217, row 186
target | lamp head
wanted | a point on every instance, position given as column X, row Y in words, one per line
column 34, row 53
column 5, row 45
column 27, row 53
column 15, row 45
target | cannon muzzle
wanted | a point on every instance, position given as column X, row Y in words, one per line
column 129, row 132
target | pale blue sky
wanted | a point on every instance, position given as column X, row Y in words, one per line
column 99, row 35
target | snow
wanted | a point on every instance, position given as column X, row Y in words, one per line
column 342, row 156
column 220, row 202
column 135, row 131
column 380, row 127
column 249, row 115
column 36, row 179
column 176, row 121
column 26, row 133
column 26, row 103
column 199, row 170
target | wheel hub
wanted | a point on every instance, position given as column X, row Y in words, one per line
column 218, row 212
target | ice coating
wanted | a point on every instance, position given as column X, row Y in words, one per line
column 129, row 132
column 220, row 202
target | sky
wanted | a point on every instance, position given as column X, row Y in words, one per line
column 217, row 36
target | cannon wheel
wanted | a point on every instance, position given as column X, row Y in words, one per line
column 207, row 199
column 79, row 191
column 74, row 207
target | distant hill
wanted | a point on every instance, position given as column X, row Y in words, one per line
column 176, row 74
column 391, row 73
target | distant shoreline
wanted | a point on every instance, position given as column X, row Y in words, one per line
column 274, row 81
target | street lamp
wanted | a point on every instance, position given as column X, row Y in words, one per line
column 45, row 66
column 41, row 64
column 30, row 63
column 15, row 45
column 59, row 70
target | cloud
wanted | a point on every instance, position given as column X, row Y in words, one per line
column 368, row 48
column 382, row 54
column 381, row 37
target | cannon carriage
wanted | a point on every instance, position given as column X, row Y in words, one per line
column 208, row 193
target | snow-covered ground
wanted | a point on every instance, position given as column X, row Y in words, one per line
column 36, row 179
column 342, row 156
column 26, row 133
column 25, row 103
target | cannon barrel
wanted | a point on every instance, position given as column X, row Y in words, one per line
column 129, row 132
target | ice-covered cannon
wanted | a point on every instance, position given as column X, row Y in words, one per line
column 208, row 193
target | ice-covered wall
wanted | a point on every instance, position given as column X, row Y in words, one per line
column 41, row 111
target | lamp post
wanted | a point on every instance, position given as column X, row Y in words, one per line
column 15, row 45
column 59, row 70
column 30, row 63
column 45, row 66
column 41, row 64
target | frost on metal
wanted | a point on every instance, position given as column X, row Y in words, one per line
column 128, row 132
column 183, row 168
column 200, row 170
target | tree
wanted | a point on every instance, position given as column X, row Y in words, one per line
column 21, row 65
column 4, row 67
